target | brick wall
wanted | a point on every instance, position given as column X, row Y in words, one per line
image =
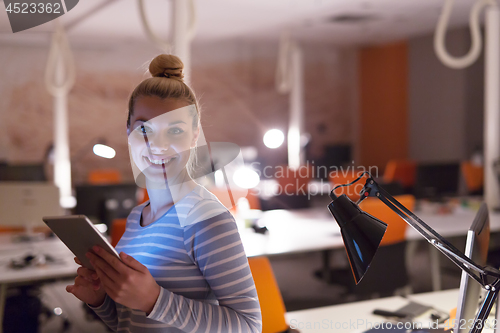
column 234, row 81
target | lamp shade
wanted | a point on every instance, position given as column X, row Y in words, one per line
column 360, row 231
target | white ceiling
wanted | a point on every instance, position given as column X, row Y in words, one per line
column 308, row 20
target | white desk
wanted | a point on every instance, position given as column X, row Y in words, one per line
column 314, row 229
column 449, row 225
column 293, row 232
column 306, row 230
column 63, row 267
column 454, row 224
column 357, row 317
column 289, row 232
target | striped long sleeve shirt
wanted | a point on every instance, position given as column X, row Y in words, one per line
column 195, row 254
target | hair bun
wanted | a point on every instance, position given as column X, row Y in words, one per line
column 167, row 65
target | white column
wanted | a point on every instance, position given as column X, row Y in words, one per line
column 295, row 155
column 62, row 164
column 182, row 40
column 492, row 106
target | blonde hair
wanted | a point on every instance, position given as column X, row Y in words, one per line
column 167, row 82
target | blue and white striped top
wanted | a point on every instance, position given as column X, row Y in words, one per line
column 195, row 254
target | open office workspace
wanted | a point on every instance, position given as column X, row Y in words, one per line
column 310, row 166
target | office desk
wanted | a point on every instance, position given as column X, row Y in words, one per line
column 453, row 224
column 356, row 317
column 448, row 225
column 314, row 229
column 64, row 266
column 293, row 231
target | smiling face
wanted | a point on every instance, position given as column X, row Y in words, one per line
column 161, row 135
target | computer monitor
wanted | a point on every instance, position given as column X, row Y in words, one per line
column 337, row 155
column 22, row 172
column 476, row 248
column 438, row 180
column 23, row 204
column 104, row 203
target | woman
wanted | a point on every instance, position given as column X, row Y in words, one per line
column 185, row 269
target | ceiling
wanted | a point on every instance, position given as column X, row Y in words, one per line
column 342, row 22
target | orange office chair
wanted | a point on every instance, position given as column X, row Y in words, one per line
column 227, row 197
column 117, row 230
column 396, row 226
column 11, row 229
column 143, row 196
column 387, row 272
column 224, row 197
column 271, row 303
column 18, row 230
column 402, row 171
column 342, row 177
column 473, row 176
column 104, row 177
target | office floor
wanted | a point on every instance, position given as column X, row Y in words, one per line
column 55, row 295
column 300, row 290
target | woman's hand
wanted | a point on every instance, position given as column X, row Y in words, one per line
column 127, row 282
column 87, row 286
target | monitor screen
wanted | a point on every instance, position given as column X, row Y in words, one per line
column 476, row 248
column 22, row 173
column 104, row 203
column 437, row 180
column 337, row 155
column 23, row 204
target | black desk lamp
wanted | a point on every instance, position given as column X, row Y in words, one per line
column 362, row 234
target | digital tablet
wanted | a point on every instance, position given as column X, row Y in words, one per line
column 78, row 233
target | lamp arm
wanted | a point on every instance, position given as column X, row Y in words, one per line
column 445, row 247
column 484, row 311
column 340, row 209
column 450, row 254
column 450, row 251
column 345, row 211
